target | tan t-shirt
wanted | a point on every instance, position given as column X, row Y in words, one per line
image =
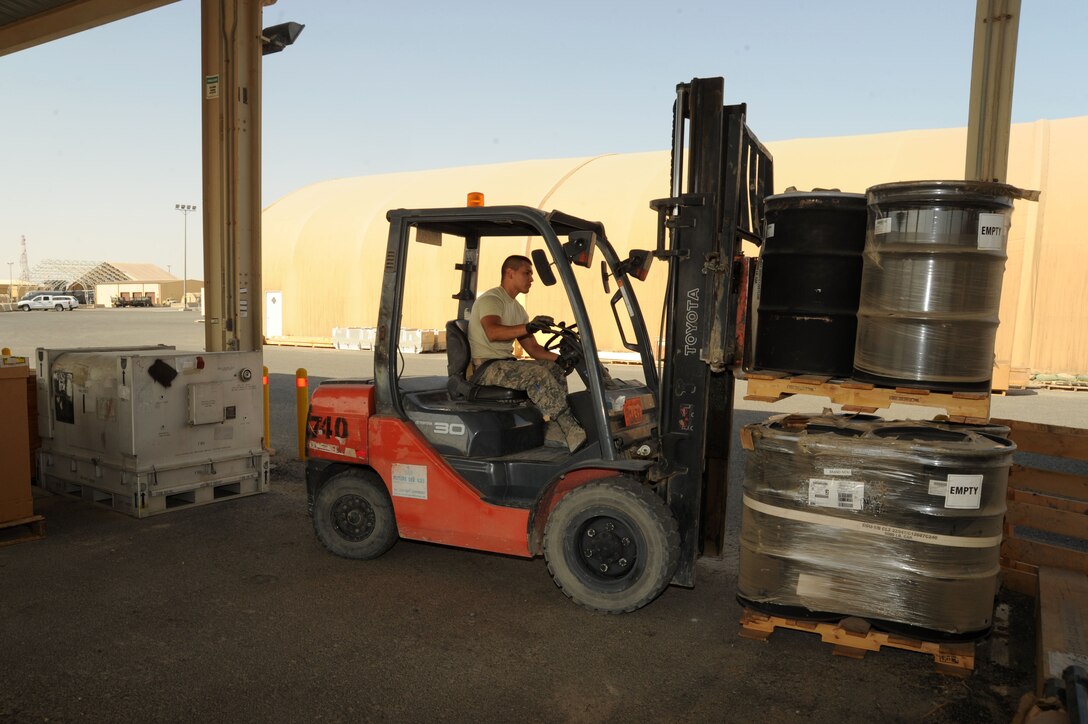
column 509, row 311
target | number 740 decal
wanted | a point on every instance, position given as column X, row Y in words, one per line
column 328, row 427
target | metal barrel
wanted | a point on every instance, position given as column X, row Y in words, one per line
column 809, row 279
column 897, row 522
column 810, row 274
column 931, row 283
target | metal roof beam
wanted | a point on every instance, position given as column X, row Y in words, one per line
column 68, row 19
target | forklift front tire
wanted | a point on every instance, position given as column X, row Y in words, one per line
column 353, row 515
column 612, row 546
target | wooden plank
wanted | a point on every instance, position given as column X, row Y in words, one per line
column 1044, row 554
column 1063, row 622
column 1062, row 522
column 1020, row 581
column 1048, row 481
column 764, row 375
column 22, row 530
column 1034, row 437
column 324, row 342
column 811, row 379
column 1053, row 502
column 1020, row 577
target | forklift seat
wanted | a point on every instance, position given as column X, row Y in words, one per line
column 458, row 355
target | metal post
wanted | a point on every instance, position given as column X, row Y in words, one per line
column 267, row 414
column 185, row 209
column 302, row 408
column 997, row 24
column 11, row 295
column 231, row 117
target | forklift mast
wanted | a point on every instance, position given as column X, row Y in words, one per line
column 716, row 203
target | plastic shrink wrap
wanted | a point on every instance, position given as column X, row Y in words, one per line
column 899, row 522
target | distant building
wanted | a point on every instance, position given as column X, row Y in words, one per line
column 100, row 282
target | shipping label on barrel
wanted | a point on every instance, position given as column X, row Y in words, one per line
column 840, row 494
column 964, row 492
column 770, row 231
column 883, row 226
column 991, row 232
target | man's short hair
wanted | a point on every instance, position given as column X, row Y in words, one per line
column 514, row 262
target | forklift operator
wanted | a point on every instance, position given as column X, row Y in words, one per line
column 498, row 319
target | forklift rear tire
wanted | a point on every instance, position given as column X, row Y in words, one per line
column 612, row 546
column 353, row 515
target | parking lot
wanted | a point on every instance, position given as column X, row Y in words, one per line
column 234, row 612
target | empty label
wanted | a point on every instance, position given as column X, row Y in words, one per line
column 964, row 492
column 991, row 232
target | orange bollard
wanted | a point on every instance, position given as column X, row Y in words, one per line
column 302, row 408
column 267, row 416
column 5, row 352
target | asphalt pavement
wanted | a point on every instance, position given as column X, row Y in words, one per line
column 234, row 612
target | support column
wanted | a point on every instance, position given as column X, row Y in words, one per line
column 231, row 67
column 997, row 24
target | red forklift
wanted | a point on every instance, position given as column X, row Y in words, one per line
column 445, row 460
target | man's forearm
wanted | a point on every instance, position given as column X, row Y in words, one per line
column 496, row 332
column 534, row 350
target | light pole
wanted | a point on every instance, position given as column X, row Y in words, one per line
column 11, row 295
column 185, row 209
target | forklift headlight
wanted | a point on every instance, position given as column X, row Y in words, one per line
column 638, row 263
column 579, row 249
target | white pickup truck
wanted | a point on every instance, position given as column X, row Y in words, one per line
column 59, row 302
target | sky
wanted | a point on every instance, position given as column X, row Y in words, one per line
column 101, row 130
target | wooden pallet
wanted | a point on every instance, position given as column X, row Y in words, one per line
column 854, row 396
column 320, row 342
column 33, row 528
column 161, row 501
column 1046, row 521
column 1079, row 387
column 1045, row 548
column 854, row 638
column 1063, row 623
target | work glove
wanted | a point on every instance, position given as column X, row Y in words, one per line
column 539, row 323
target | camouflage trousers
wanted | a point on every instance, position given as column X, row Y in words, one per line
column 543, row 381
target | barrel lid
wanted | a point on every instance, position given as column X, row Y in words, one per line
column 881, row 438
column 800, row 199
column 956, row 192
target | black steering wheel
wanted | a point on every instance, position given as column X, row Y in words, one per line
column 565, row 342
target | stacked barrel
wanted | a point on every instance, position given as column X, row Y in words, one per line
column 899, row 287
column 896, row 522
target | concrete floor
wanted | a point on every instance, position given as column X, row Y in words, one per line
column 234, row 612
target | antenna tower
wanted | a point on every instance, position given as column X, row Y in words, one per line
column 24, row 265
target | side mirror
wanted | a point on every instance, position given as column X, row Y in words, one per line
column 579, row 248
column 543, row 267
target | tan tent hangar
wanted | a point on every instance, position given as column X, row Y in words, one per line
column 324, row 244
